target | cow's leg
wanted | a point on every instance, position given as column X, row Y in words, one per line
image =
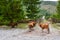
column 12, row 26
column 42, row 30
column 48, row 31
column 30, row 29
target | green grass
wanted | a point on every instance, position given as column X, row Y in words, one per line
column 5, row 27
column 22, row 25
column 56, row 26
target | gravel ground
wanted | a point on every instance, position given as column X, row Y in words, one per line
column 20, row 34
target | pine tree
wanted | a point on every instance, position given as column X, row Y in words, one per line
column 58, row 10
column 32, row 7
column 11, row 11
column 58, row 7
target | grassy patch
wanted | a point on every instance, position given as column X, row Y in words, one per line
column 22, row 25
column 56, row 26
column 5, row 27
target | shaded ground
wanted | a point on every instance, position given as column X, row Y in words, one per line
column 20, row 34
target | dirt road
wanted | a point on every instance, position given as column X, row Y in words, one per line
column 19, row 34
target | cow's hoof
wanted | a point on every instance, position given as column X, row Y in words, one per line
column 48, row 33
column 29, row 31
column 32, row 29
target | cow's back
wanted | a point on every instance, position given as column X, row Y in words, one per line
column 44, row 25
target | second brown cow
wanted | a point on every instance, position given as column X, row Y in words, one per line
column 44, row 26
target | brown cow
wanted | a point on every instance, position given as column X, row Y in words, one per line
column 13, row 24
column 31, row 25
column 44, row 26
